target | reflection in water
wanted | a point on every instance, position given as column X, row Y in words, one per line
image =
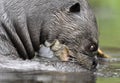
column 111, row 69
column 19, row 71
column 46, row 77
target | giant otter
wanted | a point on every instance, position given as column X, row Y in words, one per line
column 25, row 24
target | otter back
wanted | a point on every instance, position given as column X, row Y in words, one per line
column 25, row 24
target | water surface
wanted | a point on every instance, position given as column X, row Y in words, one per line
column 109, row 69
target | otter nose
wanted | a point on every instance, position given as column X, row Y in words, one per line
column 92, row 47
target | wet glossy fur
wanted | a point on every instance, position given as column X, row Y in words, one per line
column 25, row 24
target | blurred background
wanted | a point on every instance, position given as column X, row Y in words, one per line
column 108, row 17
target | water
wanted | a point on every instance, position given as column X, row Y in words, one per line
column 111, row 68
column 46, row 77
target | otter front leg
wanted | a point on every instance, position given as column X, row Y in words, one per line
column 6, row 46
column 18, row 35
column 21, row 27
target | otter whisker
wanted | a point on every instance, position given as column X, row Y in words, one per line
column 72, row 59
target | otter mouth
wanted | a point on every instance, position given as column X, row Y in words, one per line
column 85, row 61
column 61, row 52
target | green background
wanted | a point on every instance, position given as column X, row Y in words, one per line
column 108, row 18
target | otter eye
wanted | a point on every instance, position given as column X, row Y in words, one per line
column 92, row 47
column 75, row 8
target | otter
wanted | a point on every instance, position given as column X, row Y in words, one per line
column 25, row 24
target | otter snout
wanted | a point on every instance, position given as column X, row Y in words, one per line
column 86, row 61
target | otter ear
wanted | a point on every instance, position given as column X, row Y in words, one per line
column 75, row 8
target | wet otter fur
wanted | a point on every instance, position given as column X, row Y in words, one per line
column 25, row 24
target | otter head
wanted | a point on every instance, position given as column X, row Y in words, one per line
column 74, row 25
